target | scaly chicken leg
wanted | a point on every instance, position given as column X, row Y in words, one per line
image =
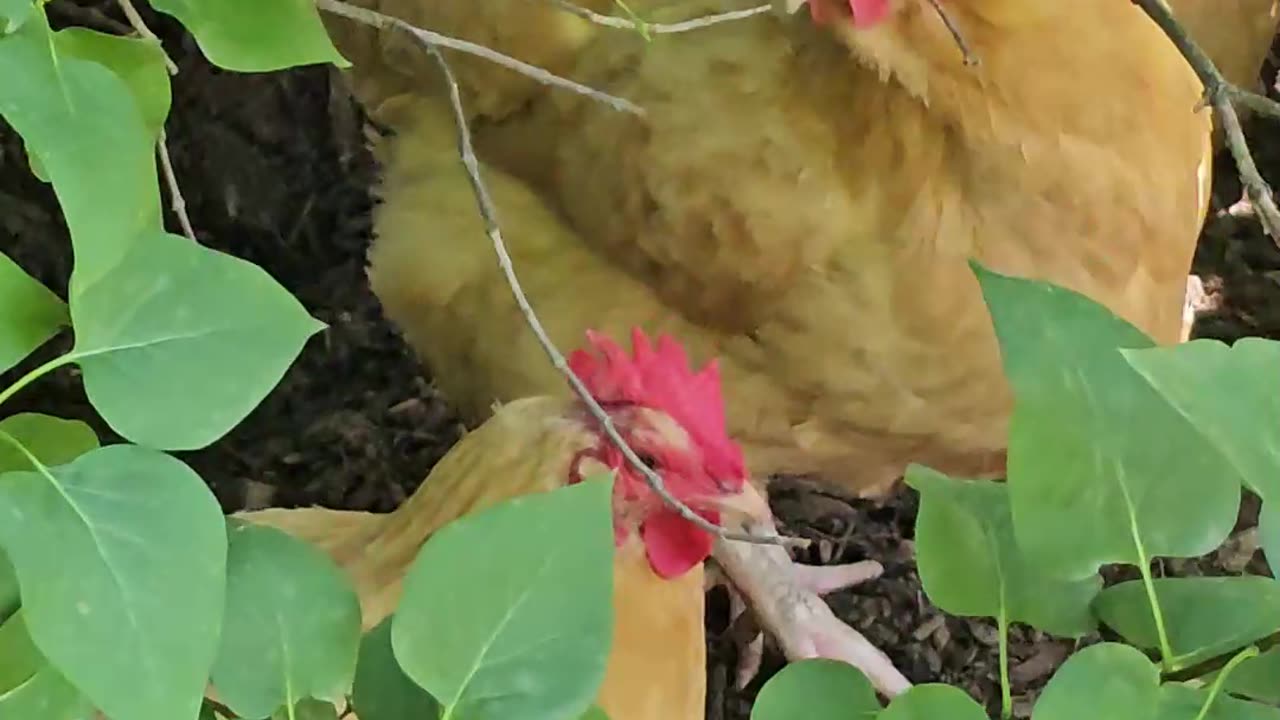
column 786, row 599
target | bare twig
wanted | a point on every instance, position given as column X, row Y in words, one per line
column 622, row 23
column 969, row 57
column 176, row 201
column 89, row 17
column 489, row 215
column 141, row 28
column 1222, row 96
column 436, row 40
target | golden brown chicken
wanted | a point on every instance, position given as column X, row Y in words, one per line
column 1235, row 34
column 802, row 200
column 667, row 413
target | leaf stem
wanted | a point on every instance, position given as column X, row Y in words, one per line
column 1218, row 682
column 1167, row 658
column 34, row 375
column 1006, row 693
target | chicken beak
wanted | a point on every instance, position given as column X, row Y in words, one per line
column 747, row 504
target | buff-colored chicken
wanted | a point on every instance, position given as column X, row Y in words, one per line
column 668, row 414
column 1235, row 34
column 800, row 199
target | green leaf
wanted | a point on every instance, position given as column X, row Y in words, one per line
column 382, row 690
column 1232, row 397
column 1205, row 616
column 9, row 595
column 1102, row 682
column 1101, row 468
column 1180, row 702
column 526, row 633
column 310, row 709
column 47, row 439
column 594, row 713
column 139, row 63
column 121, row 558
column 970, row 563
column 78, row 117
column 29, row 686
column 933, row 702
column 19, row 657
column 1269, row 534
column 1258, row 677
column 32, row 314
column 278, row 34
column 818, row 689
column 14, row 13
column 292, row 624
column 179, row 342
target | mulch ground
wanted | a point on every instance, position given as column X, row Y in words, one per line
column 274, row 170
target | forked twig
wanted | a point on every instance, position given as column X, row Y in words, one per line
column 433, row 39
column 1222, row 96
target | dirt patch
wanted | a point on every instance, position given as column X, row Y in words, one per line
column 274, row 170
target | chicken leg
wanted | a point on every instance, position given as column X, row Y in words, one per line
column 785, row 598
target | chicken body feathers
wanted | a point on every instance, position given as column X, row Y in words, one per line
column 808, row 219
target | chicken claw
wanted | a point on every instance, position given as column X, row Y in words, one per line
column 785, row 598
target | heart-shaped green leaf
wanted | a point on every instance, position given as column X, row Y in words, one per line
column 292, row 624
column 1101, row 468
column 1102, row 682
column 817, row 689
column 278, row 34
column 525, row 634
column 933, row 702
column 32, row 314
column 1180, row 702
column 139, row 63
column 179, row 342
column 43, row 440
column 78, row 118
column 970, row 563
column 1204, row 616
column 121, row 559
column 382, row 691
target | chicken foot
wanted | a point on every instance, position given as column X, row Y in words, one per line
column 785, row 598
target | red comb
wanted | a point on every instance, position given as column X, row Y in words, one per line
column 660, row 378
column 865, row 12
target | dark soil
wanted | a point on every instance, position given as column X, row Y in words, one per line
column 274, row 169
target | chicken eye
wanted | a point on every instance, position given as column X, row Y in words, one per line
column 648, row 460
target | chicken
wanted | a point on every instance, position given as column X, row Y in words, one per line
column 801, row 200
column 667, row 413
column 1235, row 34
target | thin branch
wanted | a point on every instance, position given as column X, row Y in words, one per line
column 176, row 201
column 89, row 17
column 131, row 13
column 969, row 58
column 436, row 40
column 1222, row 96
column 489, row 214
column 622, row 23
